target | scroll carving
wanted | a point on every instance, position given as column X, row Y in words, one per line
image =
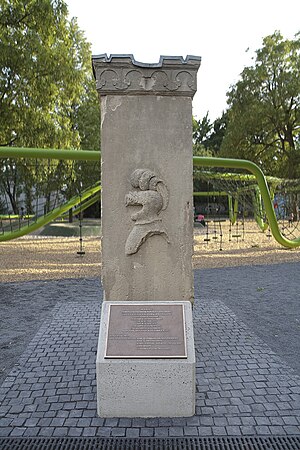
column 122, row 74
column 152, row 194
column 135, row 80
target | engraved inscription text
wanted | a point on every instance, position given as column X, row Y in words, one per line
column 146, row 331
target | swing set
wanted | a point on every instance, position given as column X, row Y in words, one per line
column 248, row 201
column 247, row 185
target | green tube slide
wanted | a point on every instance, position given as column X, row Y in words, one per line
column 43, row 220
column 49, row 153
column 200, row 161
column 83, row 205
column 258, row 209
column 262, row 183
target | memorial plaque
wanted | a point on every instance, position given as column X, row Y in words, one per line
column 146, row 331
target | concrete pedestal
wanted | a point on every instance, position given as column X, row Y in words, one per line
column 146, row 387
column 147, row 228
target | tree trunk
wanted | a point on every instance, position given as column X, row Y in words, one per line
column 12, row 197
column 292, row 157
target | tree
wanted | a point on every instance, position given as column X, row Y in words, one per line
column 208, row 136
column 215, row 139
column 43, row 60
column 47, row 98
column 264, row 109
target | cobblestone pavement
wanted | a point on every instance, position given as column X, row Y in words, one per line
column 243, row 386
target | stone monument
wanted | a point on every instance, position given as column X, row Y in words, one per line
column 145, row 361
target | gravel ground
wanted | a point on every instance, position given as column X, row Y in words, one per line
column 49, row 259
column 252, row 247
column 42, row 258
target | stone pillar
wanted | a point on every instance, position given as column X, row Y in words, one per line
column 147, row 182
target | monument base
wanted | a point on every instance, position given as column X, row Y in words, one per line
column 146, row 386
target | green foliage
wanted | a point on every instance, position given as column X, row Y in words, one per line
column 47, row 92
column 201, row 130
column 216, row 137
column 87, row 117
column 207, row 136
column 44, row 62
column 264, row 109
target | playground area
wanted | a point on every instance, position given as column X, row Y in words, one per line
column 245, row 319
column 44, row 258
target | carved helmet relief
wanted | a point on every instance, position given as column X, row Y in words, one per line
column 152, row 194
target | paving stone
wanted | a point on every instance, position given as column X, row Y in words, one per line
column 161, row 432
column 113, row 422
column 190, row 431
column 206, row 421
column 218, row 431
column 16, row 409
column 71, row 422
column 248, row 420
column 118, row 431
column 147, row 432
column 124, row 422
column 176, row 431
column 17, row 431
column 291, row 429
column 6, row 421
column 165, row 421
column 148, row 422
column 84, row 422
column 73, row 412
column 233, row 430
column 262, row 420
column 32, row 432
column 57, row 422
column 243, row 387
column 97, row 422
column 75, row 432
column 245, row 431
column 89, row 432
column 290, row 420
column 234, row 421
column 46, row 431
column 220, row 421
column 138, row 422
column 262, row 430
column 205, row 431
column 132, row 432
column 104, row 432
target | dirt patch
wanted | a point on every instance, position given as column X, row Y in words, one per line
column 49, row 259
column 239, row 245
column 42, row 258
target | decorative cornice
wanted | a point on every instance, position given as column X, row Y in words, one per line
column 121, row 74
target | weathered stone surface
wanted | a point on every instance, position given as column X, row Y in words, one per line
column 152, row 194
column 153, row 133
column 146, row 178
column 147, row 229
column 121, row 74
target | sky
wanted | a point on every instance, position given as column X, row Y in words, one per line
column 225, row 33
